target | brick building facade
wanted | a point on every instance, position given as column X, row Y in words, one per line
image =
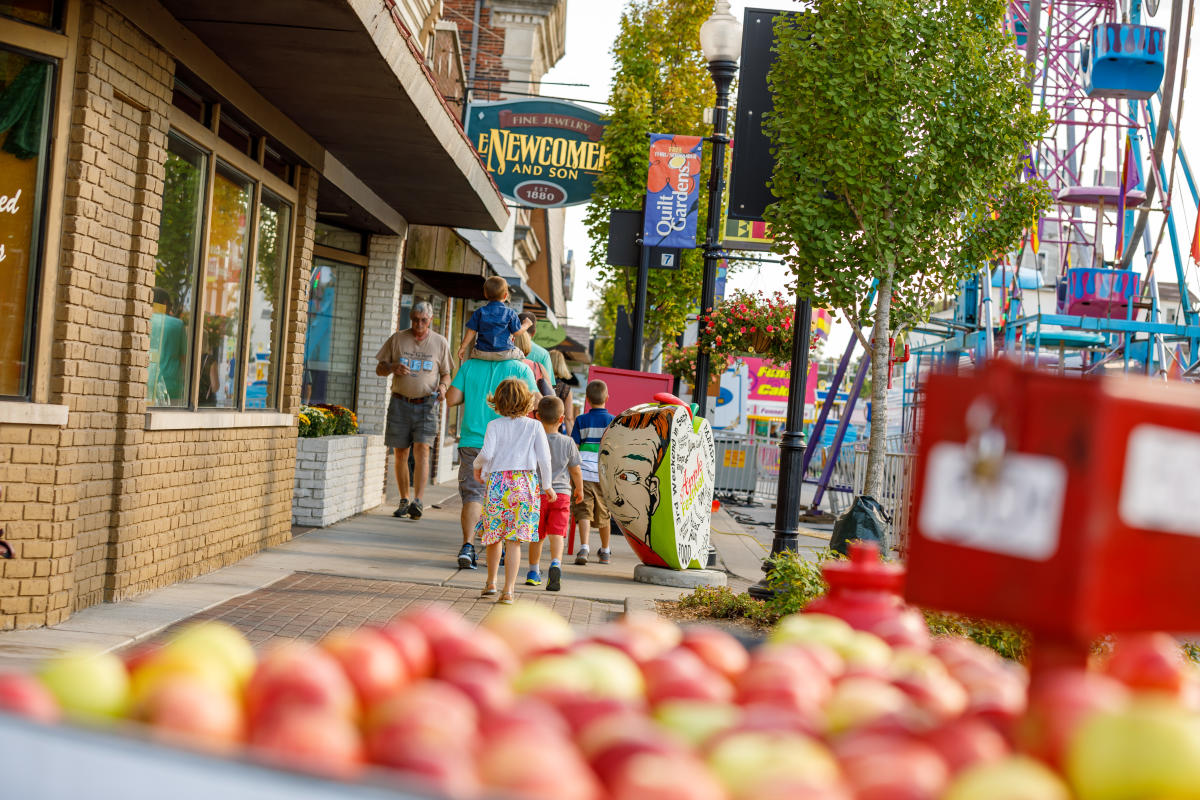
column 172, row 191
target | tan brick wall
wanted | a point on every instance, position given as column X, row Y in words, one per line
column 35, row 584
column 104, row 510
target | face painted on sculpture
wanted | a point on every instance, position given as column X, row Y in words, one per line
column 628, row 460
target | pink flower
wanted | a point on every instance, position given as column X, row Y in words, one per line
column 770, row 329
column 754, row 330
column 743, row 330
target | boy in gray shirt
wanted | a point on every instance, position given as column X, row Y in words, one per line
column 567, row 482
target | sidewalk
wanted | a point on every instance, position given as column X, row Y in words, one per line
column 364, row 569
column 743, row 534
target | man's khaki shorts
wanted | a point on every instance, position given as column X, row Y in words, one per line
column 593, row 508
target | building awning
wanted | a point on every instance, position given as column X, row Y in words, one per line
column 350, row 75
column 450, row 284
column 480, row 243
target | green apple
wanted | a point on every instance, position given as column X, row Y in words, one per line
column 220, row 642
column 1013, row 778
column 862, row 649
column 811, row 629
column 695, row 721
column 529, row 628
column 858, row 701
column 1149, row 750
column 87, row 684
column 612, row 673
column 553, row 673
column 746, row 763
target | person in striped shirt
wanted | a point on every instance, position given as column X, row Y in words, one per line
column 592, row 510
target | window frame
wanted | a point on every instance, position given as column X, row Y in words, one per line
column 43, row 188
column 360, row 262
column 205, row 138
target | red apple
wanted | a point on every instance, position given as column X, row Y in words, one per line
column 892, row 768
column 546, row 769
column 581, row 711
column 529, row 718
column 1148, row 662
column 296, row 675
column 718, row 650
column 432, row 713
column 309, row 739
column 794, row 685
column 603, row 732
column 25, row 695
column 444, row 771
column 369, row 660
column 755, row 764
column 860, row 701
column 412, row 645
column 194, row 711
column 609, row 760
column 435, row 621
column 488, row 689
column 528, row 628
column 663, row 776
column 964, row 743
column 139, row 654
column 1059, row 701
column 680, row 675
column 484, row 647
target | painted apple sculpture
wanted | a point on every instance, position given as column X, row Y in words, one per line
column 525, row 706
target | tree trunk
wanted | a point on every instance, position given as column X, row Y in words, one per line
column 880, row 354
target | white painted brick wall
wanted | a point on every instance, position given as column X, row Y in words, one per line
column 381, row 310
column 337, row 477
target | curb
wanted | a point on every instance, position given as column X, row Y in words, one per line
column 640, row 605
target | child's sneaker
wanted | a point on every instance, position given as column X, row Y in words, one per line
column 605, row 556
column 581, row 555
column 555, row 578
column 533, row 578
column 466, row 556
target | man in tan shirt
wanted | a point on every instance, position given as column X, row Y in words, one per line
column 419, row 362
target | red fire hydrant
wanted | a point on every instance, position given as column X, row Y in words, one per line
column 865, row 592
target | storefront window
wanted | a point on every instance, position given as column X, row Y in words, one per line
column 331, row 347
column 228, row 248
column 175, row 271
column 24, row 106
column 266, row 298
column 35, row 12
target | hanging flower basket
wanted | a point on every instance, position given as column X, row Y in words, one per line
column 681, row 362
column 752, row 324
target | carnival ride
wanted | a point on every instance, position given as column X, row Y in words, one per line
column 1085, row 293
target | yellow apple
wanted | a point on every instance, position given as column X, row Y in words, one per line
column 1013, row 778
column 221, row 642
column 87, row 684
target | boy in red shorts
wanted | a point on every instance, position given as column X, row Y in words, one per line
column 555, row 517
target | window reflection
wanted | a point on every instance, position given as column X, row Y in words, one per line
column 175, row 270
column 228, row 243
column 331, row 346
column 266, row 298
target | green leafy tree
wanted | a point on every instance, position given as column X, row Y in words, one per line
column 899, row 131
column 661, row 85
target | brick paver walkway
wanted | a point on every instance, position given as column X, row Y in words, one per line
column 307, row 605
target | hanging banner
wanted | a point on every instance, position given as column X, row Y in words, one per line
column 672, row 191
column 540, row 153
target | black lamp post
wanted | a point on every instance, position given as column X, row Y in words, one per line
column 721, row 41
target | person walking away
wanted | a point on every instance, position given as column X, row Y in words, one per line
column 592, row 511
column 418, row 359
column 524, row 343
column 474, row 382
column 514, row 464
column 567, row 482
column 489, row 330
column 564, row 382
column 537, row 353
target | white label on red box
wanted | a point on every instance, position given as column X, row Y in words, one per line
column 1158, row 492
column 1017, row 512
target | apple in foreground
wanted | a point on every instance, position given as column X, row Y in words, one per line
column 1149, row 661
column 664, row 776
column 718, row 650
column 309, row 739
column 87, row 684
column 412, row 645
column 1012, row 778
column 194, row 711
column 370, row 661
column 299, row 675
column 23, row 694
column 219, row 641
column 528, row 628
column 747, row 763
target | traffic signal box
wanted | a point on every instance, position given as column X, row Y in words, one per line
column 1070, row 507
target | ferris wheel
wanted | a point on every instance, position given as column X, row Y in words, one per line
column 1105, row 279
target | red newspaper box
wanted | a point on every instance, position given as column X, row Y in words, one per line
column 1070, row 507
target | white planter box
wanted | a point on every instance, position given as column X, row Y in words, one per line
column 337, row 477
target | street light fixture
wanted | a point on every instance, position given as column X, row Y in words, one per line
column 721, row 41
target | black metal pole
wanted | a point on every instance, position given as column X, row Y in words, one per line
column 639, row 305
column 722, row 74
column 791, row 449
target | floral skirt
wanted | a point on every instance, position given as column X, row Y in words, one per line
column 510, row 512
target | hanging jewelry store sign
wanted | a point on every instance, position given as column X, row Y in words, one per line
column 541, row 153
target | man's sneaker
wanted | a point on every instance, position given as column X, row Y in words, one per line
column 581, row 555
column 605, row 556
column 466, row 556
column 554, row 583
column 533, row 578
column 402, row 509
column 415, row 508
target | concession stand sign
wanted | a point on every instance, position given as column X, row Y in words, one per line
column 541, row 153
